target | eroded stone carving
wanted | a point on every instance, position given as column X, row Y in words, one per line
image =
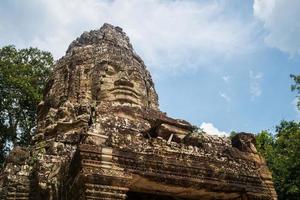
column 101, row 135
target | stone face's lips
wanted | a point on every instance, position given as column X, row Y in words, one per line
column 125, row 90
column 126, row 94
column 125, row 99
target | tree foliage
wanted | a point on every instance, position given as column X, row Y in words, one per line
column 296, row 87
column 23, row 74
column 282, row 153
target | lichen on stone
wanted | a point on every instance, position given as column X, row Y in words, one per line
column 101, row 135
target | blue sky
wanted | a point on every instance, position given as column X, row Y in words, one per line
column 223, row 65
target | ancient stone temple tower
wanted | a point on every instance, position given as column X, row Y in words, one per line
column 101, row 135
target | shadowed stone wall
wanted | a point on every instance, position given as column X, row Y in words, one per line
column 101, row 135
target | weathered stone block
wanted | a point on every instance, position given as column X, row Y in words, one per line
column 101, row 135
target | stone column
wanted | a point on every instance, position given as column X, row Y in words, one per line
column 100, row 178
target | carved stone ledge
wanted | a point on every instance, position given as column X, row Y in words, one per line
column 95, row 191
column 100, row 134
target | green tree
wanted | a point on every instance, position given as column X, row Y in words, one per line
column 287, row 165
column 296, row 87
column 23, row 74
column 264, row 144
column 282, row 153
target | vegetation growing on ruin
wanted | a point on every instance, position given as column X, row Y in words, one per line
column 23, row 74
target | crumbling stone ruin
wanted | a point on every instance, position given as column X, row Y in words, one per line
column 101, row 135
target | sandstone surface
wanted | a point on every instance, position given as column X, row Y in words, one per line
column 101, row 135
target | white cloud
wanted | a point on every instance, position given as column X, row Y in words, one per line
column 225, row 96
column 167, row 34
column 281, row 22
column 226, row 78
column 210, row 129
column 256, row 76
column 255, row 81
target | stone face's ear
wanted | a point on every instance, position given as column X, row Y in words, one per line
column 152, row 97
column 244, row 142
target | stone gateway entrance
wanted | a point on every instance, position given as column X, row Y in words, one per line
column 101, row 135
column 145, row 196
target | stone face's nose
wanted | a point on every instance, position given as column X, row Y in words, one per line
column 123, row 82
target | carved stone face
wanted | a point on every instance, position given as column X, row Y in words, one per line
column 121, row 84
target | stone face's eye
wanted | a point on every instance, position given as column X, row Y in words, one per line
column 135, row 76
column 130, row 71
column 110, row 70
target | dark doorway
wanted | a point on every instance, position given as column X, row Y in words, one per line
column 146, row 196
